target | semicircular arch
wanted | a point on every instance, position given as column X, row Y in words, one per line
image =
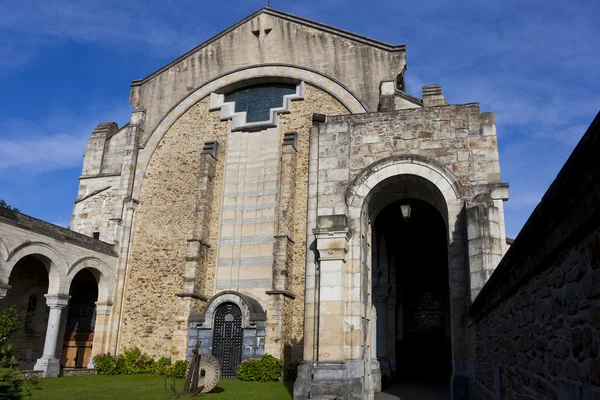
column 281, row 71
column 103, row 274
column 444, row 180
column 57, row 268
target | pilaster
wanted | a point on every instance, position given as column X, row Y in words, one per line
column 282, row 248
column 194, row 292
column 484, row 240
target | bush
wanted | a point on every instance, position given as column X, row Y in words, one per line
column 131, row 362
column 161, row 365
column 178, row 369
column 105, row 364
column 11, row 380
column 265, row 369
column 11, row 384
column 9, row 324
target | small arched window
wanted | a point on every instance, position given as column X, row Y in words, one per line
column 29, row 317
column 258, row 100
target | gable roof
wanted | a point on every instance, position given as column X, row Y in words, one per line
column 288, row 17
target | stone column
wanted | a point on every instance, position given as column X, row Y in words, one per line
column 49, row 362
column 101, row 331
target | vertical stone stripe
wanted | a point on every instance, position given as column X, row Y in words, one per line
column 247, row 227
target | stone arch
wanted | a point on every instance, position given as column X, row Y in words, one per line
column 3, row 250
column 251, row 309
column 281, row 71
column 54, row 263
column 430, row 170
column 104, row 276
column 442, row 190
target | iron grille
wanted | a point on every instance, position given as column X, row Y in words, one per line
column 227, row 338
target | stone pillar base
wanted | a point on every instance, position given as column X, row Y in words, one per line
column 49, row 366
column 376, row 376
column 341, row 380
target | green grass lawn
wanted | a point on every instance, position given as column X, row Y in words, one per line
column 152, row 387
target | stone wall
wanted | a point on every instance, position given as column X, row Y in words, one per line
column 97, row 198
column 165, row 221
column 300, row 121
column 163, row 224
column 534, row 328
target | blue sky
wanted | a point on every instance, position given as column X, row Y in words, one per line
column 66, row 66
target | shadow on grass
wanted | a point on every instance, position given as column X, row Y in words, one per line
column 289, row 385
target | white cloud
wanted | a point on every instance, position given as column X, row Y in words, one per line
column 57, row 142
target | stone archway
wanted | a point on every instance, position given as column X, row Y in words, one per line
column 80, row 325
column 103, row 280
column 401, row 180
column 28, row 281
column 232, row 328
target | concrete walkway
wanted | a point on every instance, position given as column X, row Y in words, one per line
column 415, row 391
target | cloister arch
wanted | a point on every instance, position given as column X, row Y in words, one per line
column 54, row 263
column 104, row 276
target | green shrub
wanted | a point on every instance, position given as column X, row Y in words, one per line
column 161, row 365
column 9, row 324
column 11, row 384
column 265, row 369
column 106, row 364
column 178, row 369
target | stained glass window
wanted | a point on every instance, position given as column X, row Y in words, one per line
column 257, row 100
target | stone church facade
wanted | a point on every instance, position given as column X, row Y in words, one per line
column 278, row 191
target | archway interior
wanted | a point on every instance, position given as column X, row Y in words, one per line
column 410, row 282
column 81, row 321
column 29, row 283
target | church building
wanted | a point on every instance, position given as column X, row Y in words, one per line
column 276, row 191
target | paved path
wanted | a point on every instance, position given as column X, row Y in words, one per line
column 415, row 391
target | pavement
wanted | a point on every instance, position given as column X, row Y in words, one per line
column 415, row 391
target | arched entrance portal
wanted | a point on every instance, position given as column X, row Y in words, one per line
column 227, row 341
column 81, row 321
column 410, row 290
column 410, row 284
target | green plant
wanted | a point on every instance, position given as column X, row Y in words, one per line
column 11, row 384
column 161, row 365
column 9, row 324
column 7, row 207
column 106, row 364
column 265, row 369
column 134, row 362
column 177, row 370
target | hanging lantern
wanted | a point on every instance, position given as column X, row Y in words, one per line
column 406, row 210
